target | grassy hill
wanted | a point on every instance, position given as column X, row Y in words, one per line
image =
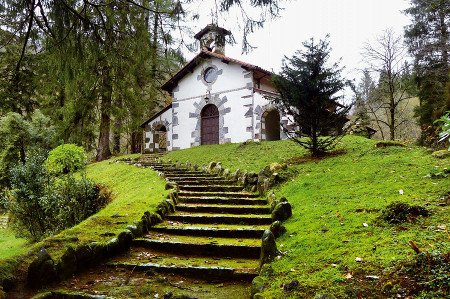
column 335, row 242
column 336, row 202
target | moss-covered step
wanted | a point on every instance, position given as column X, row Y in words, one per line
column 220, row 200
column 203, row 181
column 176, row 171
column 155, row 164
column 207, row 273
column 68, row 295
column 207, row 179
column 225, row 219
column 186, row 174
column 211, row 188
column 224, row 231
column 118, row 282
column 139, row 255
column 217, row 194
column 169, row 169
column 215, row 247
column 224, row 209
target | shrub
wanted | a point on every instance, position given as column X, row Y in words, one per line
column 66, row 158
column 20, row 138
column 41, row 204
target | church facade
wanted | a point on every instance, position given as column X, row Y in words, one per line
column 215, row 99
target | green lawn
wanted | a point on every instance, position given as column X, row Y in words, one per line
column 251, row 156
column 135, row 190
column 335, row 202
column 10, row 245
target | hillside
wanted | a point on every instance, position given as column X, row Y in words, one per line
column 335, row 242
column 336, row 203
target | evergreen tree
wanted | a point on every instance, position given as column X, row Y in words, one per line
column 427, row 38
column 308, row 88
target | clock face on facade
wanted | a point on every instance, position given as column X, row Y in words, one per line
column 210, row 75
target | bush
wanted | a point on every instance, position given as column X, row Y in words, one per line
column 20, row 138
column 66, row 158
column 41, row 204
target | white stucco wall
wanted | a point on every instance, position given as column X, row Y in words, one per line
column 235, row 92
column 231, row 93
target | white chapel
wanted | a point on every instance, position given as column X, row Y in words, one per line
column 215, row 99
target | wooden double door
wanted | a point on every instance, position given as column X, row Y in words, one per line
column 210, row 125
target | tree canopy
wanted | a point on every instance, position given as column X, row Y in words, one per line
column 428, row 41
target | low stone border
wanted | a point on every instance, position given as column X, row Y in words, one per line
column 260, row 182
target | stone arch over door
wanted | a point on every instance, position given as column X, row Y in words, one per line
column 209, row 131
column 157, row 136
column 160, row 138
column 261, row 113
column 219, row 102
column 270, row 125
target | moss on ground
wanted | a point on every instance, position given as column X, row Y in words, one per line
column 10, row 245
column 334, row 242
column 336, row 201
column 135, row 190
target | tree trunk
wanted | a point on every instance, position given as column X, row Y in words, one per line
column 103, row 150
column 154, row 45
column 117, row 129
column 136, row 141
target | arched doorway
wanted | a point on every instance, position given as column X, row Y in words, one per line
column 271, row 121
column 210, row 125
column 160, row 138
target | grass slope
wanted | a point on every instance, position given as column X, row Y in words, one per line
column 135, row 190
column 10, row 245
column 332, row 198
column 249, row 156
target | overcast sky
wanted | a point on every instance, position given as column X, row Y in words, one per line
column 350, row 24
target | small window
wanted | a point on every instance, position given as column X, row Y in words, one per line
column 210, row 75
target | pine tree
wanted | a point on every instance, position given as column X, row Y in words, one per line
column 308, row 88
column 428, row 40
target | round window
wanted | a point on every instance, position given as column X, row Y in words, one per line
column 210, row 75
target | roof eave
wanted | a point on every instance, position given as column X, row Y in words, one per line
column 156, row 115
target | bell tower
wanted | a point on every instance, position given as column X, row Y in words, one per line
column 212, row 37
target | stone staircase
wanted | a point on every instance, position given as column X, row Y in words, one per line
column 214, row 234
column 208, row 248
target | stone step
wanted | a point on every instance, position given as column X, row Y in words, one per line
column 222, row 219
column 217, row 194
column 62, row 294
column 218, row 231
column 203, row 181
column 194, row 179
column 207, row 273
column 170, row 169
column 221, row 200
column 139, row 255
column 186, row 173
column 210, row 188
column 224, row 209
column 200, row 246
column 157, row 164
column 190, row 175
